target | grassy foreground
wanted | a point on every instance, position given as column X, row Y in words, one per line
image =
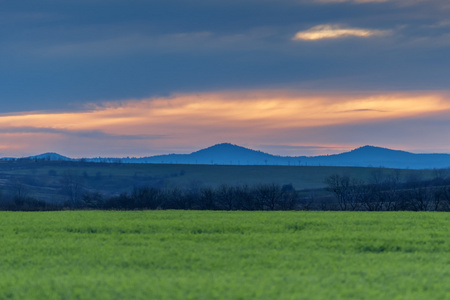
column 224, row 255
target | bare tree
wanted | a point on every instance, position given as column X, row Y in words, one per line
column 226, row 197
column 442, row 198
column 342, row 189
column 71, row 188
column 268, row 196
column 207, row 198
column 19, row 190
column 245, row 197
column 289, row 198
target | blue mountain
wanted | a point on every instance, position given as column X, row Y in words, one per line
column 229, row 154
column 50, row 156
column 367, row 156
column 370, row 156
column 222, row 154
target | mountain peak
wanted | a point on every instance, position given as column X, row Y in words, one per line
column 224, row 147
column 368, row 149
column 226, row 153
column 50, row 156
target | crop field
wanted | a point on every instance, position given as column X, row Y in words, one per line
column 224, row 255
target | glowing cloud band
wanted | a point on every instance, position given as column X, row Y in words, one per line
column 191, row 121
column 321, row 32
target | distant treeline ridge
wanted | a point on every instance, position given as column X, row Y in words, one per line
column 349, row 194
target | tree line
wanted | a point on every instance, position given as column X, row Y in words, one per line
column 388, row 193
column 381, row 193
column 224, row 197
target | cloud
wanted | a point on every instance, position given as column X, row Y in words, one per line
column 363, row 109
column 353, row 1
column 427, row 133
column 399, row 2
column 440, row 24
column 90, row 134
column 321, row 32
column 132, row 43
column 305, row 150
column 192, row 121
column 66, row 54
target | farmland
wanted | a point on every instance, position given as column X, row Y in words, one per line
column 224, row 255
column 49, row 180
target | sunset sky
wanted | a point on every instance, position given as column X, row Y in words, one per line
column 88, row 78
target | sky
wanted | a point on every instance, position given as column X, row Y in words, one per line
column 88, row 78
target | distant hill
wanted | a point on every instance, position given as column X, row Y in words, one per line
column 370, row 156
column 367, row 156
column 229, row 154
column 220, row 154
column 50, row 156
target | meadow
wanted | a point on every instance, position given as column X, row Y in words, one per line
column 224, row 255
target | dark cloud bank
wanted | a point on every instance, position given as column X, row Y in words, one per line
column 59, row 54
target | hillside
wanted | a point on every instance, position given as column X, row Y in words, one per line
column 52, row 180
column 370, row 156
column 220, row 154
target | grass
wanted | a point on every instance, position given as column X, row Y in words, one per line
column 224, row 255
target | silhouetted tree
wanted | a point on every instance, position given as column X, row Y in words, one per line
column 92, row 200
column 289, row 198
column 226, row 197
column 342, row 188
column 71, row 187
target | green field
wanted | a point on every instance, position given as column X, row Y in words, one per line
column 224, row 255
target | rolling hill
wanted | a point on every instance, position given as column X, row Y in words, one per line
column 229, row 154
column 367, row 156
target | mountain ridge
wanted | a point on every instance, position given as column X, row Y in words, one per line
column 230, row 154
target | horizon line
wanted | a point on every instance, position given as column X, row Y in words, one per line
column 218, row 144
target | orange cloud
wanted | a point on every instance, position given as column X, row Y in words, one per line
column 399, row 2
column 151, row 126
column 321, row 32
column 354, row 1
